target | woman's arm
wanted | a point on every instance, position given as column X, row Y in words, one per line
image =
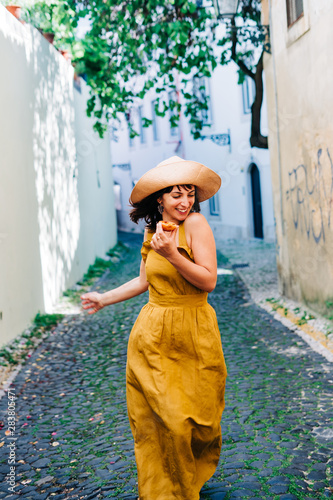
column 94, row 301
column 128, row 290
column 201, row 273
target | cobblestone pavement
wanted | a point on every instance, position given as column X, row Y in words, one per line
column 254, row 261
column 73, row 437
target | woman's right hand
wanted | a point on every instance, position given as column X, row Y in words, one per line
column 92, row 301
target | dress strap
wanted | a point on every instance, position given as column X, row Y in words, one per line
column 146, row 245
column 182, row 237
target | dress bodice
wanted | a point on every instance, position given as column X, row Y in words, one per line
column 162, row 276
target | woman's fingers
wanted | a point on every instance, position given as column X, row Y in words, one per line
column 91, row 308
column 90, row 302
column 88, row 306
column 93, row 311
column 159, row 231
column 157, row 238
column 85, row 298
column 87, row 302
column 159, row 227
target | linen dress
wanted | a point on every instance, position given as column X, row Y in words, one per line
column 175, row 378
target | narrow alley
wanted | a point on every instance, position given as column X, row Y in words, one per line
column 73, row 439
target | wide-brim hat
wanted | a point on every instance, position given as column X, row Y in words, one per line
column 174, row 172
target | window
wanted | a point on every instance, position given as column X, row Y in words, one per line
column 295, row 10
column 248, row 90
column 173, row 98
column 141, row 127
column 130, row 139
column 113, row 133
column 129, row 124
column 201, row 91
column 214, row 205
column 154, row 118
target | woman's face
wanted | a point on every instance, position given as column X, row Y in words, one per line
column 177, row 204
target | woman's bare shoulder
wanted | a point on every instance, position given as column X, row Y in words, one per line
column 195, row 220
column 197, row 229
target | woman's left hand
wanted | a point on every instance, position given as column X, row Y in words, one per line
column 164, row 242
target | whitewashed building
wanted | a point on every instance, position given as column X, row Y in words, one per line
column 243, row 207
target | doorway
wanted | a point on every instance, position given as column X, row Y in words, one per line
column 256, row 201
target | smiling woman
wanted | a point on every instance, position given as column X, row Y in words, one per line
column 151, row 207
column 177, row 204
column 175, row 370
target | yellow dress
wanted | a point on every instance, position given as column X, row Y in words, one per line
column 175, row 383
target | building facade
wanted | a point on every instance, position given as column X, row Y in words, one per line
column 243, row 207
column 299, row 80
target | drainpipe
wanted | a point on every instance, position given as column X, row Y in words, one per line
column 276, row 114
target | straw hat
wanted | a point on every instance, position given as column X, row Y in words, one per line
column 176, row 171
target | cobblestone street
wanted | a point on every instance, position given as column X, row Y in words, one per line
column 73, row 436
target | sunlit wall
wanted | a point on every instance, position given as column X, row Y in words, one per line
column 56, row 190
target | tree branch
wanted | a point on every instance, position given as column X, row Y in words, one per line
column 257, row 140
column 234, row 57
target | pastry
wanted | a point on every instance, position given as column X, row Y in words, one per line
column 168, row 226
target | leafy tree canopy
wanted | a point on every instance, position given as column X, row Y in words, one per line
column 133, row 46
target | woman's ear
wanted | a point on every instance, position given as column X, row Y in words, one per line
column 159, row 200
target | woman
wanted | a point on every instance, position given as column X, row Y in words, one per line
column 175, row 371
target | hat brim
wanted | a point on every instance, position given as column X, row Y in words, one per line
column 176, row 173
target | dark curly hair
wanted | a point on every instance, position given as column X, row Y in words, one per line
column 147, row 208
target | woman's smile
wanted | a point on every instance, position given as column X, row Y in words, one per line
column 177, row 204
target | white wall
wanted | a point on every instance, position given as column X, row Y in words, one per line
column 54, row 218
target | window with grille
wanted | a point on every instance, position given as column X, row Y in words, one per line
column 249, row 91
column 201, row 91
column 295, row 10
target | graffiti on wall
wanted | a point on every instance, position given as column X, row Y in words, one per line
column 311, row 196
